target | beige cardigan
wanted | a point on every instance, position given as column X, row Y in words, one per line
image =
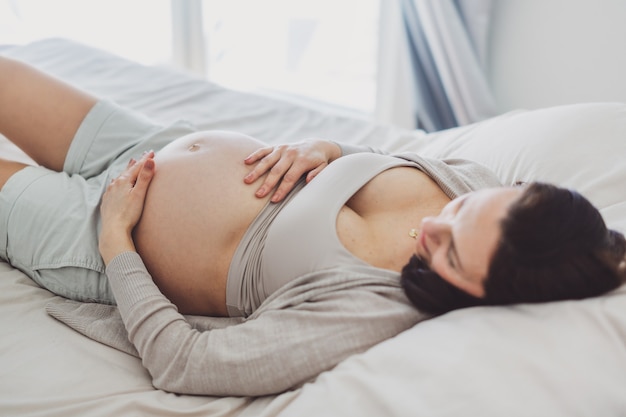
column 305, row 328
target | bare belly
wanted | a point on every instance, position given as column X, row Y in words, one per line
column 196, row 212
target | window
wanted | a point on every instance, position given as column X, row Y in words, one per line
column 139, row 30
column 320, row 49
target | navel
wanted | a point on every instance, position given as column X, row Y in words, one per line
column 193, row 148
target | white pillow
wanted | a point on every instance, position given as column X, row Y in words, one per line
column 554, row 359
column 580, row 146
column 560, row 359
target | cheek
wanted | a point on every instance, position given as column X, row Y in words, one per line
column 479, row 253
column 439, row 264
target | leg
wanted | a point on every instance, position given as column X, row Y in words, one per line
column 49, row 231
column 40, row 114
column 8, row 168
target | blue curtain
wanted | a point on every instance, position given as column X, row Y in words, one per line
column 447, row 43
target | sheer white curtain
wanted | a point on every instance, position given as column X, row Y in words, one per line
column 188, row 43
column 437, row 79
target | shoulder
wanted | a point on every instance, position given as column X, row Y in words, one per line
column 455, row 176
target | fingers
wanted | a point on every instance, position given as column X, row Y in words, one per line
column 286, row 172
column 283, row 165
column 274, row 163
column 123, row 201
column 266, row 157
column 134, row 168
column 287, row 181
column 313, row 173
column 258, row 155
column 145, row 175
column 281, row 170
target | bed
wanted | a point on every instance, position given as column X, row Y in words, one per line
column 555, row 359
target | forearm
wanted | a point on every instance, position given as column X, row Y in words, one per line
column 179, row 358
column 114, row 242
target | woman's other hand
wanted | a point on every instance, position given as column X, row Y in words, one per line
column 122, row 205
column 285, row 164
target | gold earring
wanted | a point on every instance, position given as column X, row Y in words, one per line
column 413, row 233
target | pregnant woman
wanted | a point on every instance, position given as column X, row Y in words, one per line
column 159, row 221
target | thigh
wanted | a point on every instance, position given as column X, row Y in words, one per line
column 40, row 114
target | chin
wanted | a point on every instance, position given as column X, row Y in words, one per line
column 430, row 293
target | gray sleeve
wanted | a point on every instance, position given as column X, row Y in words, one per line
column 349, row 149
column 454, row 176
column 279, row 349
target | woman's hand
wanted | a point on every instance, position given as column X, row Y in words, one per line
column 287, row 163
column 122, row 205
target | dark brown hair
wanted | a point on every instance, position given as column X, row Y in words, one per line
column 554, row 245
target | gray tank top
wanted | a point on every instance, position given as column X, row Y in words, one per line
column 303, row 237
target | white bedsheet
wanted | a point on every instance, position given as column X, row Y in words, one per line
column 557, row 359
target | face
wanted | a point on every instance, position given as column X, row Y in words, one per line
column 459, row 243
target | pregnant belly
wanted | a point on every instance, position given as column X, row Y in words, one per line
column 196, row 212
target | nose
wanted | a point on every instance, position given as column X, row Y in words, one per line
column 436, row 228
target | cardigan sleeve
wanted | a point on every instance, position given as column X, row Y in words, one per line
column 277, row 349
column 454, row 176
column 349, row 149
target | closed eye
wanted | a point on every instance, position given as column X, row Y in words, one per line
column 453, row 256
column 451, row 260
